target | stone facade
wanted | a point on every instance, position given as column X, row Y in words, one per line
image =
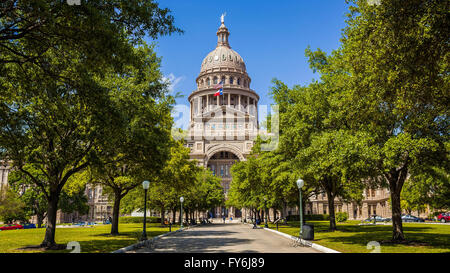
column 4, row 172
column 222, row 128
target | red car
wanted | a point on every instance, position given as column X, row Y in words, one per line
column 11, row 227
column 444, row 217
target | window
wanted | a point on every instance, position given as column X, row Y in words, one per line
column 231, row 80
column 223, row 80
column 209, row 81
column 238, row 81
column 215, row 80
column 221, row 170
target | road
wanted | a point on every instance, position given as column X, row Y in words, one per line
column 225, row 238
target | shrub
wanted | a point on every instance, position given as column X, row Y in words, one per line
column 138, row 220
column 341, row 216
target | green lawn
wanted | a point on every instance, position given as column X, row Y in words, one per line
column 351, row 238
column 92, row 239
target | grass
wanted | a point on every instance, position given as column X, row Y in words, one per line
column 92, row 239
column 352, row 238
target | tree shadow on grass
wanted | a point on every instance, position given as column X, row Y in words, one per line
column 105, row 242
column 414, row 238
column 423, row 237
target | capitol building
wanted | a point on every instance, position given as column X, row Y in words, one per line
column 222, row 127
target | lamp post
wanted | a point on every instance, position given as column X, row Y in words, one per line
column 300, row 184
column 145, row 185
column 265, row 212
column 181, row 211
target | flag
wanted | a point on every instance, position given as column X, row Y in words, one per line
column 220, row 87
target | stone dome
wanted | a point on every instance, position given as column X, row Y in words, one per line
column 223, row 57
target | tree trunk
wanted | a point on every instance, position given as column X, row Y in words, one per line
column 116, row 210
column 397, row 225
column 162, row 215
column 396, row 180
column 174, row 215
column 40, row 219
column 330, row 198
column 49, row 239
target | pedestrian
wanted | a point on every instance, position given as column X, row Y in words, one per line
column 223, row 219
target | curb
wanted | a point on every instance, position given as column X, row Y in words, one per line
column 146, row 242
column 305, row 242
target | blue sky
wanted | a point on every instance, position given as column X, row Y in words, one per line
column 271, row 37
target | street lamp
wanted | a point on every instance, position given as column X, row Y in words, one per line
column 265, row 212
column 181, row 211
column 145, row 185
column 300, row 184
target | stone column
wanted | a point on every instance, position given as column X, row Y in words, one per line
column 239, row 103
column 248, row 104
column 207, row 102
column 229, row 99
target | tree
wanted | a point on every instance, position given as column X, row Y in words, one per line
column 430, row 187
column 72, row 197
column 139, row 151
column 179, row 176
column 321, row 149
column 398, row 58
column 207, row 192
column 29, row 29
column 11, row 207
column 54, row 111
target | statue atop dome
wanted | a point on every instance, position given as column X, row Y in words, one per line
column 222, row 17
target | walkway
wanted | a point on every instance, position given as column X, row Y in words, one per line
column 226, row 238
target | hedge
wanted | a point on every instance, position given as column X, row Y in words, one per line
column 309, row 217
column 138, row 219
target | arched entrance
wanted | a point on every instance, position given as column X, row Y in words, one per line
column 220, row 163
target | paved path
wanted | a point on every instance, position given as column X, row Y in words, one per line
column 222, row 238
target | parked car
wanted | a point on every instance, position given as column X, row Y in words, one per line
column 444, row 217
column 410, row 218
column 377, row 218
column 11, row 227
column 27, row 226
